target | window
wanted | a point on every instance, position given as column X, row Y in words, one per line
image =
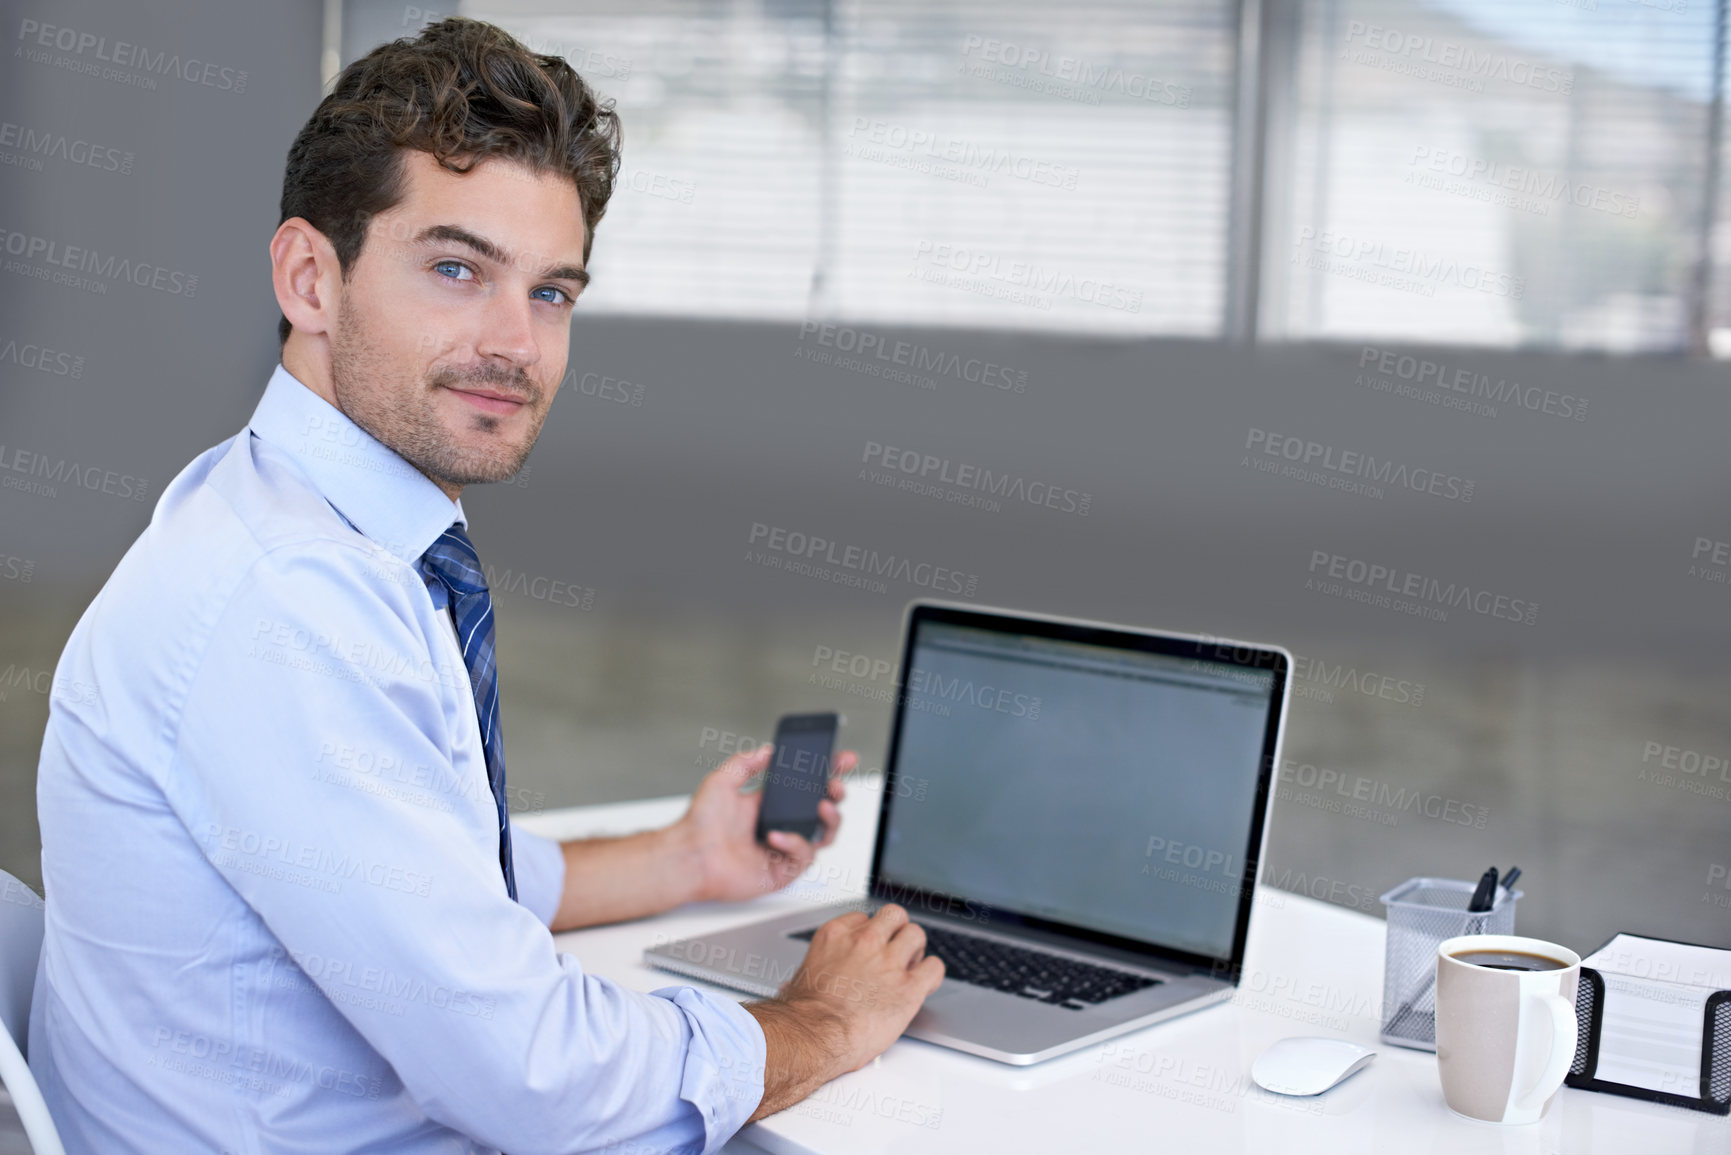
column 1495, row 172
column 1490, row 172
column 897, row 161
column 717, row 212
column 997, row 166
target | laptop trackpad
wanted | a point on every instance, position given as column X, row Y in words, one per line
column 958, row 1012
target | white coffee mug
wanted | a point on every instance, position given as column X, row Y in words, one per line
column 1505, row 1038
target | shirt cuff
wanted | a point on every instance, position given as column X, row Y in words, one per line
column 723, row 1076
column 539, row 864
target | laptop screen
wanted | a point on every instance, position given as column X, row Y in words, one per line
column 1112, row 789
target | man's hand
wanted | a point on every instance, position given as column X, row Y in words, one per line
column 720, row 830
column 710, row 853
column 862, row 982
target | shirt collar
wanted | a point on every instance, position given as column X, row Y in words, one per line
column 376, row 491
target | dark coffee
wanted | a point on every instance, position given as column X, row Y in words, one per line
column 1508, row 960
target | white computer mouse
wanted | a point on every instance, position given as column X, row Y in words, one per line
column 1308, row 1065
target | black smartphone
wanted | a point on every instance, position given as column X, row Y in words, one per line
column 798, row 776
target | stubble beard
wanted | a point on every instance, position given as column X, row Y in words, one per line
column 406, row 420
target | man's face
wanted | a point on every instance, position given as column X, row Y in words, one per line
column 454, row 322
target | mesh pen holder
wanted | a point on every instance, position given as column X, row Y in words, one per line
column 1422, row 912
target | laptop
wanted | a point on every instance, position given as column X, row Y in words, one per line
column 1074, row 812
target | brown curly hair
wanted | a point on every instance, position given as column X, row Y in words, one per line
column 464, row 91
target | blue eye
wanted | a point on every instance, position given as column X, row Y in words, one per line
column 455, row 270
column 559, row 295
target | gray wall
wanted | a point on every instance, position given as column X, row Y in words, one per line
column 174, row 168
column 1549, row 739
column 1525, row 743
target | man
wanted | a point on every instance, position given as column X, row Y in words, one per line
column 286, row 911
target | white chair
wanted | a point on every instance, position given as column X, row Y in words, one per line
column 21, row 917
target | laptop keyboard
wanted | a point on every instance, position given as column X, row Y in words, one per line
column 1017, row 970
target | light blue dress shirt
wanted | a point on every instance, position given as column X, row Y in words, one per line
column 276, row 918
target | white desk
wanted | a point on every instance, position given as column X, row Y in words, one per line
column 1181, row 1086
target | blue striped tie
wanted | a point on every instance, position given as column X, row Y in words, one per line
column 455, row 570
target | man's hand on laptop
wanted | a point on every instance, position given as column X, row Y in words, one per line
column 861, row 983
column 721, row 828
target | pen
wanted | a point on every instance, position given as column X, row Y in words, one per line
column 1484, row 898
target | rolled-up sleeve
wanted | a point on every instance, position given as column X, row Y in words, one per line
column 723, row 1076
column 395, row 908
column 540, row 867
